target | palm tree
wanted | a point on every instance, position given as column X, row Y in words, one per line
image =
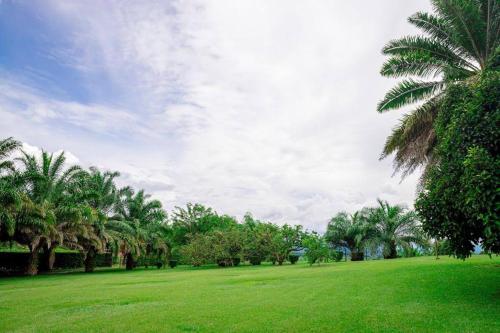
column 137, row 226
column 10, row 197
column 349, row 231
column 101, row 194
column 393, row 227
column 7, row 147
column 47, row 185
column 461, row 40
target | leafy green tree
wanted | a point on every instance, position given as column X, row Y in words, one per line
column 192, row 220
column 284, row 240
column 460, row 198
column 459, row 41
column 316, row 248
column 349, row 231
column 197, row 251
column 258, row 239
column 226, row 246
column 394, row 227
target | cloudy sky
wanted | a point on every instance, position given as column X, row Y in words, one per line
column 261, row 106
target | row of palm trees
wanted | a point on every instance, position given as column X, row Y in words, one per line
column 384, row 227
column 44, row 204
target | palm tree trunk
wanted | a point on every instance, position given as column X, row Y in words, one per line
column 48, row 258
column 32, row 265
column 90, row 260
column 392, row 250
column 129, row 262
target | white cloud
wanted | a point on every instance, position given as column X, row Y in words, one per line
column 263, row 106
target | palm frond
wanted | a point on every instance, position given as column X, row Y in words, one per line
column 408, row 92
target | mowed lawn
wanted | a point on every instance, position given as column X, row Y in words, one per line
column 409, row 295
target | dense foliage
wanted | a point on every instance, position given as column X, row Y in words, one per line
column 460, row 198
column 460, row 39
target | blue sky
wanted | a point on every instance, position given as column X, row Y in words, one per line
column 261, row 106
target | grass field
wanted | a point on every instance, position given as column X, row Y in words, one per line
column 409, row 295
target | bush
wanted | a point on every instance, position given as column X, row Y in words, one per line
column 198, row 251
column 293, row 258
column 316, row 248
column 227, row 262
column 255, row 260
column 104, row 259
column 68, row 260
column 337, row 255
column 14, row 263
column 172, row 263
column 357, row 256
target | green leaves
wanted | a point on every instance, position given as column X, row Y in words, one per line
column 459, row 200
column 408, row 92
column 459, row 42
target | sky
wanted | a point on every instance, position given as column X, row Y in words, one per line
column 266, row 106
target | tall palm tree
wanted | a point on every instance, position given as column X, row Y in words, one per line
column 47, row 183
column 393, row 227
column 349, row 231
column 99, row 191
column 460, row 41
column 137, row 224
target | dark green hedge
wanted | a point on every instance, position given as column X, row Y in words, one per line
column 12, row 263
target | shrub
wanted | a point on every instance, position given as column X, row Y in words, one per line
column 357, row 256
column 198, row 251
column 293, row 258
column 336, row 255
column 316, row 248
column 255, row 260
column 172, row 263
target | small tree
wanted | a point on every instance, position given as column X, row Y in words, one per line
column 257, row 241
column 284, row 240
column 197, row 251
column 316, row 248
column 226, row 247
column 394, row 227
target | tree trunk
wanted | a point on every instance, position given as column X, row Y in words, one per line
column 129, row 265
column 48, row 258
column 90, row 260
column 392, row 251
column 32, row 266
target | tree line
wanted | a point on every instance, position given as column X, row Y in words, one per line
column 44, row 204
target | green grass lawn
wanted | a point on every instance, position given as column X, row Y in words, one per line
column 409, row 295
